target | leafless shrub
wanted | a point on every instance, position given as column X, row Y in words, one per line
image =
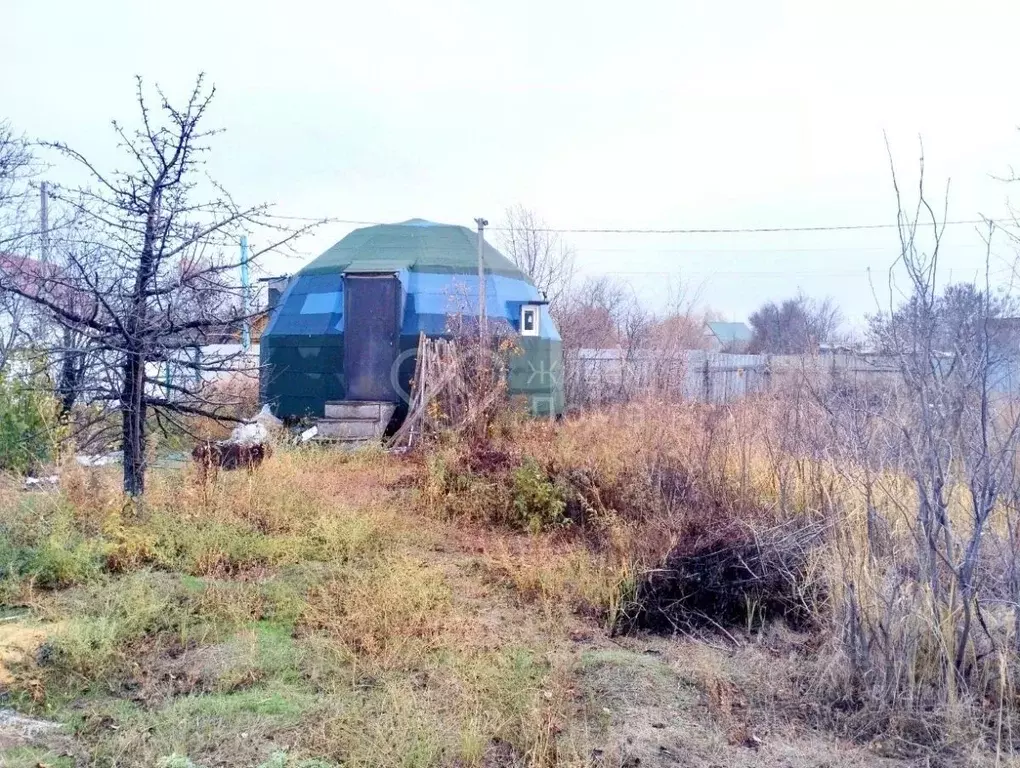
column 460, row 383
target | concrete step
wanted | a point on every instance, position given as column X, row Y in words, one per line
column 350, row 429
column 352, row 420
column 358, row 409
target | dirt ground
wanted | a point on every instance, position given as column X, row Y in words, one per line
column 17, row 640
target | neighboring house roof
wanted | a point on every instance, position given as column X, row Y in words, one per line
column 417, row 245
column 731, row 333
column 40, row 280
column 26, row 273
column 63, row 288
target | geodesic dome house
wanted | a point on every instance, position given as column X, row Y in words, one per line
column 347, row 326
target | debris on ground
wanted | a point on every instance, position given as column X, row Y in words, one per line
column 251, row 433
column 16, row 730
column 267, row 419
column 741, row 579
column 225, row 454
column 40, row 483
column 99, row 459
column 258, row 430
column 249, row 444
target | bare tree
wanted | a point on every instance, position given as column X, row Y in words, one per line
column 148, row 277
column 539, row 252
column 15, row 316
column 616, row 347
column 952, row 321
column 796, row 326
column 17, row 168
column 588, row 314
column 681, row 325
column 951, row 431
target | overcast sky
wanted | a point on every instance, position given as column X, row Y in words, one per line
column 649, row 115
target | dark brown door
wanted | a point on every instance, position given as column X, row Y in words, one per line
column 371, row 331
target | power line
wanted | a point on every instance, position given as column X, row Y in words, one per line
column 764, row 273
column 721, row 272
column 324, row 219
column 674, row 231
column 736, row 230
column 822, row 249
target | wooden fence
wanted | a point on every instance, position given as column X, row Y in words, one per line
column 605, row 376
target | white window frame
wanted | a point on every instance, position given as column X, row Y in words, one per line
column 536, row 313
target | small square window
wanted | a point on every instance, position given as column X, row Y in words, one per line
column 529, row 320
column 321, row 303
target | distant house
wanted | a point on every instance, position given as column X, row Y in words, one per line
column 41, row 280
column 727, row 337
column 275, row 288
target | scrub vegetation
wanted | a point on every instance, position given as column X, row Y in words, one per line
column 682, row 585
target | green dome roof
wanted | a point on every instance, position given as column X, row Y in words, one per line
column 419, row 245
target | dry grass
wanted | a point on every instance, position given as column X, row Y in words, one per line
column 711, row 485
column 562, row 576
column 458, row 607
column 394, row 613
column 300, row 611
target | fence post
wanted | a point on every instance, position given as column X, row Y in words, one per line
column 707, row 382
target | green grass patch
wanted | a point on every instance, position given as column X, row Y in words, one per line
column 215, row 547
column 445, row 712
column 40, row 544
column 264, row 651
column 33, row 757
column 241, row 728
column 104, row 626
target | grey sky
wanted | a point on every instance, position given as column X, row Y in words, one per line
column 597, row 115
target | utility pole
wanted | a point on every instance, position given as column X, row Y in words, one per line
column 71, row 361
column 245, row 295
column 44, row 222
column 482, row 224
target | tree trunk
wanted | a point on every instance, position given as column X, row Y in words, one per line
column 133, row 416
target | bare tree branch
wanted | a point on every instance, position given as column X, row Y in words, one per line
column 147, row 276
